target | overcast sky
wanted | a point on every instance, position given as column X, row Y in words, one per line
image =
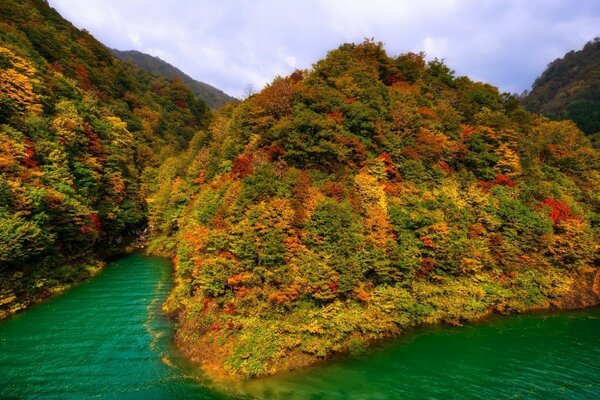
column 232, row 43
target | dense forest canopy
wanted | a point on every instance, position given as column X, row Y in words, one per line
column 371, row 193
column 570, row 88
column 213, row 97
column 80, row 132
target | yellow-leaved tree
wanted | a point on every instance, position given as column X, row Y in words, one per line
column 17, row 81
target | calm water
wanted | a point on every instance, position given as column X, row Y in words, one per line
column 107, row 339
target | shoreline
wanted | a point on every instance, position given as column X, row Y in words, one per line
column 88, row 267
column 584, row 293
column 91, row 268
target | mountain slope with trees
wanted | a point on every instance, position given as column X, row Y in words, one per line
column 369, row 194
column 570, row 89
column 213, row 97
column 80, row 134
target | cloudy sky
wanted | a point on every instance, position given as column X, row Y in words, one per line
column 233, row 43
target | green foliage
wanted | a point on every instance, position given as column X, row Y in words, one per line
column 20, row 239
column 262, row 184
column 520, row 224
column 332, row 228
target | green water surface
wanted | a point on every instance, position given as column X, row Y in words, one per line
column 107, row 339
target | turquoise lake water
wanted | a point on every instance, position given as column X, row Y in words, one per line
column 107, row 339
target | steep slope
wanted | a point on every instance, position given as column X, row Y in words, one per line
column 80, row 132
column 349, row 202
column 570, row 88
column 214, row 97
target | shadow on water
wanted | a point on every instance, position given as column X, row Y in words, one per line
column 108, row 339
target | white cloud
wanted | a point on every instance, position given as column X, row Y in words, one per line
column 231, row 43
column 435, row 47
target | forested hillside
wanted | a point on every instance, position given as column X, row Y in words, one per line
column 570, row 88
column 351, row 201
column 213, row 97
column 80, row 133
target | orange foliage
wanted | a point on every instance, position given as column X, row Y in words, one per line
column 428, row 242
column 333, row 286
column 296, row 76
column 290, row 293
column 118, row 185
column 293, row 244
column 393, row 189
column 363, row 295
column 427, row 265
column 390, row 167
column 230, row 309
column 201, row 177
column 410, row 152
column 333, row 189
column 82, row 77
column 428, row 113
column 278, row 297
column 356, row 153
column 293, row 292
column 241, row 291
column 196, row 236
column 485, row 185
column 476, row 230
column 430, row 145
column 239, row 279
column 94, row 144
column 336, row 116
column 377, row 224
column 275, row 152
column 402, row 86
column 444, row 166
column 9, row 152
column 466, row 132
column 274, row 101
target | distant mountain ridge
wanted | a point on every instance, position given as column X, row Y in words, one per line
column 214, row 97
column 570, row 88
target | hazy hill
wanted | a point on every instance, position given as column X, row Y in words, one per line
column 570, row 88
column 214, row 97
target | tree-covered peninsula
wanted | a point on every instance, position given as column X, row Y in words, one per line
column 369, row 194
